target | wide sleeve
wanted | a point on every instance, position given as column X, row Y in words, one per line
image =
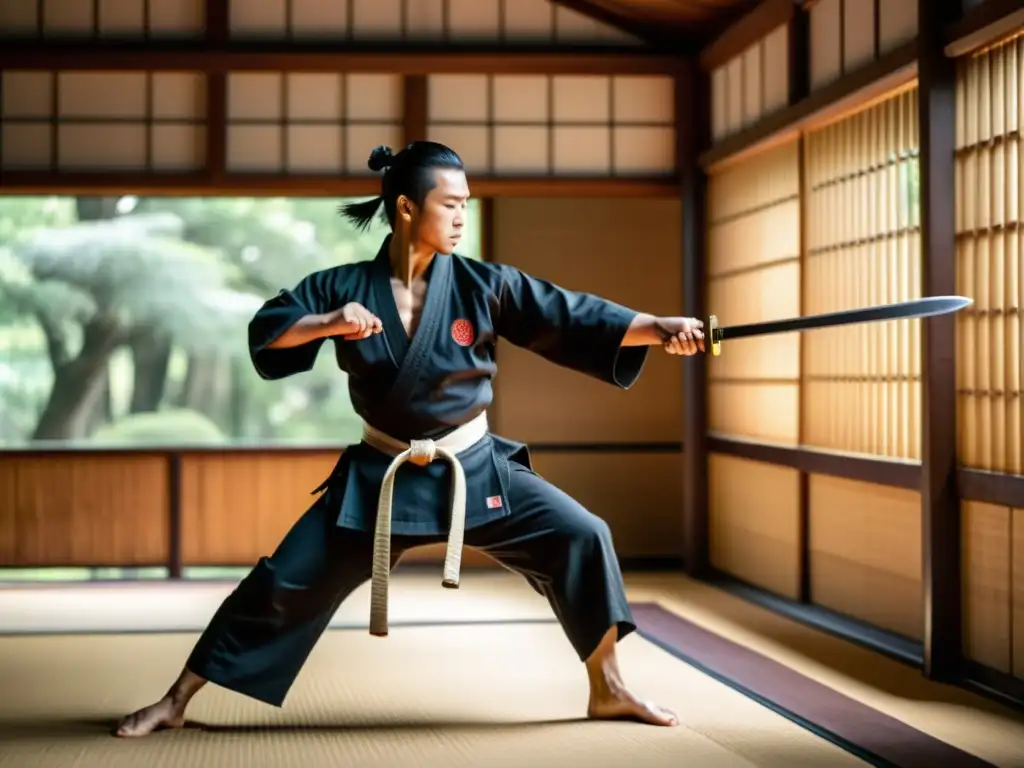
column 578, row 331
column 317, row 293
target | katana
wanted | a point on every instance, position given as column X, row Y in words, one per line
column 927, row 307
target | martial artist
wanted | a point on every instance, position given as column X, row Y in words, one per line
column 415, row 330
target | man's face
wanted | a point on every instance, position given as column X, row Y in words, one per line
column 440, row 222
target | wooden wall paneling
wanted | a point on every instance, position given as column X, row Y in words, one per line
column 754, row 523
column 579, row 244
column 65, row 509
column 865, row 552
column 987, row 554
column 236, row 507
column 581, row 427
column 637, row 493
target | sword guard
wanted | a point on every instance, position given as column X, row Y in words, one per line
column 715, row 336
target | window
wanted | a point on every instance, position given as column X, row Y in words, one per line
column 112, row 337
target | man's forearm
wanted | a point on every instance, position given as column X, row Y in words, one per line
column 309, row 328
column 646, row 331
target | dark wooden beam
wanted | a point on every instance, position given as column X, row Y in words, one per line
column 889, row 472
column 990, row 487
column 804, row 530
column 693, row 98
column 175, row 556
column 269, row 185
column 648, row 31
column 218, row 33
column 940, row 508
column 982, row 24
column 747, row 31
column 1003, row 687
column 414, row 113
column 294, row 57
column 799, row 49
column 883, row 74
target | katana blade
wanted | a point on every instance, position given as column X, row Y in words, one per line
column 926, row 307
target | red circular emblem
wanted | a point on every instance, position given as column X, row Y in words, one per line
column 462, row 332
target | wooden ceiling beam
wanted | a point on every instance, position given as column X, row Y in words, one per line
column 313, row 185
column 406, row 60
column 650, row 32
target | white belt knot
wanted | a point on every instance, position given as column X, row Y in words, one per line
column 420, row 452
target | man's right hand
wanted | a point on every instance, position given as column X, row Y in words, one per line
column 354, row 321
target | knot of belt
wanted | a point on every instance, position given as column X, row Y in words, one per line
column 421, row 452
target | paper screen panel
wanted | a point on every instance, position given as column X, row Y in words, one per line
column 826, row 30
column 103, row 121
column 897, row 23
column 754, row 511
column 865, row 551
column 751, row 85
column 460, row 21
column 102, row 19
column 862, row 383
column 311, row 123
column 858, row 34
column 987, row 584
column 560, row 125
column 754, row 274
column 990, row 244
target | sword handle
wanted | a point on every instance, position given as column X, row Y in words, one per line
column 714, row 336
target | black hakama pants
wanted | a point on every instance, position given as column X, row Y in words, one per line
column 263, row 632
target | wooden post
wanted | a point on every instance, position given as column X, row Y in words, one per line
column 693, row 129
column 218, row 33
column 940, row 509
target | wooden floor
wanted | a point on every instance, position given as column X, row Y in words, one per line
column 459, row 695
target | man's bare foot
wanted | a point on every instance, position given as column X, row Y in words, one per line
column 625, row 706
column 609, row 699
column 166, row 713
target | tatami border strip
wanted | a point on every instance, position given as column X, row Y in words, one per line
column 871, row 735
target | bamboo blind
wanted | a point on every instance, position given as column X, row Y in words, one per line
column 862, row 384
column 989, row 209
column 754, row 274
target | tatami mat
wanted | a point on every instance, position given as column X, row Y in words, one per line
column 476, row 696
column 438, row 693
